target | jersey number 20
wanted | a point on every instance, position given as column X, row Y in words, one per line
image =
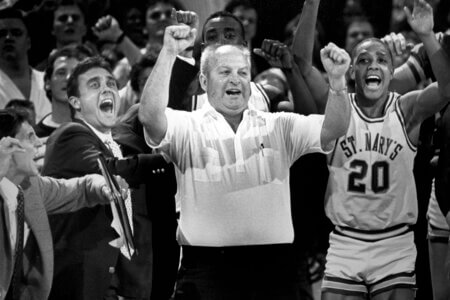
column 379, row 174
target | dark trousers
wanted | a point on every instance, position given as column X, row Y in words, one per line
column 244, row 272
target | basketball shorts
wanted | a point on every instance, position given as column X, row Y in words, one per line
column 359, row 267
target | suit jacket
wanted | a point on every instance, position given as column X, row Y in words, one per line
column 442, row 179
column 85, row 264
column 45, row 195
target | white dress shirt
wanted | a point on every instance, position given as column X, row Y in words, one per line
column 9, row 192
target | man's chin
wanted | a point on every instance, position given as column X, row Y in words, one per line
column 373, row 94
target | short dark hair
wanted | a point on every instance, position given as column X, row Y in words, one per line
column 147, row 61
column 79, row 52
column 374, row 40
column 81, row 68
column 233, row 4
column 177, row 5
column 10, row 121
column 78, row 3
column 13, row 13
column 25, row 106
column 223, row 14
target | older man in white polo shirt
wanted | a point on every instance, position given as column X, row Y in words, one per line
column 232, row 166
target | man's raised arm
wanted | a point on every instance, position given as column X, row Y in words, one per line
column 302, row 49
column 336, row 62
column 155, row 95
column 435, row 96
column 421, row 21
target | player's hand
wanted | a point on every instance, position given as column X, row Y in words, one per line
column 8, row 146
column 421, row 18
column 179, row 37
column 107, row 29
column 276, row 53
column 336, row 62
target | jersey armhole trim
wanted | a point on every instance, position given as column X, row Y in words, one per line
column 402, row 122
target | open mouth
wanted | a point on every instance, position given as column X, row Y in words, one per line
column 107, row 105
column 373, row 81
column 69, row 31
column 233, row 92
column 8, row 48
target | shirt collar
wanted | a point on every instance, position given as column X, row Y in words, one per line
column 102, row 136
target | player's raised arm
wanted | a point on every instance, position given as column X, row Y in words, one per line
column 278, row 55
column 337, row 113
column 302, row 50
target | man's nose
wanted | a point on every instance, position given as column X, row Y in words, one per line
column 9, row 35
column 234, row 78
column 373, row 65
column 38, row 143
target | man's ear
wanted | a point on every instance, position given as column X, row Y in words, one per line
column 203, row 81
column 28, row 43
column 351, row 72
column 75, row 102
column 47, row 85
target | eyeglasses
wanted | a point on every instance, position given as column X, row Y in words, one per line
column 65, row 18
column 157, row 14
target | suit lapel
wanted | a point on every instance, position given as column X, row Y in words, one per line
column 104, row 149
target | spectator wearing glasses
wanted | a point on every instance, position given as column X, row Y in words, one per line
column 18, row 80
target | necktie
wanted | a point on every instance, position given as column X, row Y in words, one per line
column 115, row 149
column 14, row 288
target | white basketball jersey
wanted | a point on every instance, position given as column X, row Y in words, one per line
column 371, row 184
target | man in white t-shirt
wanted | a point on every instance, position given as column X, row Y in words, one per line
column 232, row 165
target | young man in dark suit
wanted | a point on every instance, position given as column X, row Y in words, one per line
column 83, row 241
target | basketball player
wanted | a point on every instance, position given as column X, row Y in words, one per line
column 371, row 196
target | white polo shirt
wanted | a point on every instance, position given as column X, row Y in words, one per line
column 233, row 188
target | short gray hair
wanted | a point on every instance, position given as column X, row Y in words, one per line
column 210, row 53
